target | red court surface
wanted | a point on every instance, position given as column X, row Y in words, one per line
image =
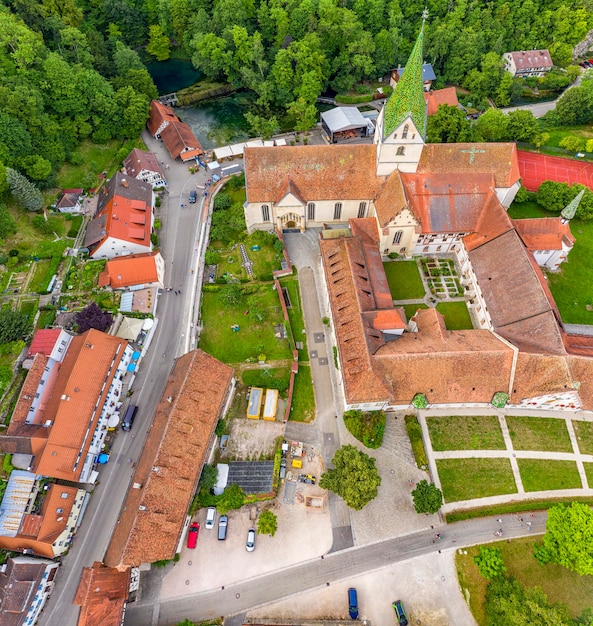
column 535, row 168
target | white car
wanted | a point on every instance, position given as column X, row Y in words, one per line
column 250, row 545
column 210, row 517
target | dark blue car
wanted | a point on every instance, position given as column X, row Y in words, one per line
column 352, row 603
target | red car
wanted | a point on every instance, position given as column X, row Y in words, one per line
column 192, row 535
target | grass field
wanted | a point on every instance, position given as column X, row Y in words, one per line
column 466, row 479
column 584, row 434
column 303, row 398
column 456, row 315
column 572, row 286
column 273, row 378
column 465, row 433
column 295, row 314
column 539, row 433
column 558, row 583
column 404, row 280
column 527, row 210
column 410, row 309
column 589, row 473
column 46, row 318
column 218, row 339
column 547, row 475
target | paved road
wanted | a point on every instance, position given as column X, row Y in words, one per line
column 178, row 236
column 317, row 573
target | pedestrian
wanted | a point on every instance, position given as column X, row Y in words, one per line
column 499, row 521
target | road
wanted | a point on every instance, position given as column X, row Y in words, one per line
column 328, row 569
column 178, row 236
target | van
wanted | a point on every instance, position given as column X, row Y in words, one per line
column 223, row 523
column 352, row 603
column 129, row 417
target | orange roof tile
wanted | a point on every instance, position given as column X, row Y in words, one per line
column 139, row 160
column 83, row 380
column 540, row 374
column 159, row 113
column 336, row 172
column 449, row 203
column 544, row 233
column 499, row 159
column 493, row 221
column 174, row 452
column 102, row 594
column 391, row 199
column 178, row 137
column 435, row 98
column 44, row 341
column 582, row 374
column 126, row 271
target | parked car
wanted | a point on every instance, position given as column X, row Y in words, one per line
column 210, row 517
column 400, row 613
column 129, row 417
column 192, row 535
column 283, row 469
column 250, row 545
column 193, row 196
column 223, row 523
column 352, row 603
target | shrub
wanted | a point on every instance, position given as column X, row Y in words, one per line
column 368, row 427
column 500, row 399
column 415, row 434
column 157, row 202
column 490, row 563
column 419, row 401
column 222, row 201
column 154, row 239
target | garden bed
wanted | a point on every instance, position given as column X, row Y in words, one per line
column 303, row 398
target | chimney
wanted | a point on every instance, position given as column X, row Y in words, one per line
column 124, row 182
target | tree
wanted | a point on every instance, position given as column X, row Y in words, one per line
column 267, row 524
column 354, row 477
column 573, row 143
column 427, row 497
column 522, row 126
column 133, row 111
column 7, row 223
column 575, row 106
column 24, row 191
column 260, row 125
column 233, row 497
column 492, row 125
column 93, row 316
column 159, row 45
column 448, row 125
column 490, row 563
column 14, row 325
column 569, row 538
column 208, row 478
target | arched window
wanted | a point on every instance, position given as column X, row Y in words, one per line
column 265, row 213
column 401, row 151
column 311, row 211
column 362, row 209
column 405, row 132
column 398, row 236
column 338, row 211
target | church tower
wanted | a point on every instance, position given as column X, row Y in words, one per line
column 401, row 125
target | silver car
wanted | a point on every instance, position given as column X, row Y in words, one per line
column 250, row 545
column 210, row 517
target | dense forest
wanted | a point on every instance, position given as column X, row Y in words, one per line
column 73, row 69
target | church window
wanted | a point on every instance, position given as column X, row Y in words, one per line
column 338, row 211
column 362, row 209
column 405, row 132
column 402, row 250
column 265, row 213
column 398, row 236
column 311, row 211
column 401, row 151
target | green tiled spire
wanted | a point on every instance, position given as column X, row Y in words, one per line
column 408, row 96
column 568, row 212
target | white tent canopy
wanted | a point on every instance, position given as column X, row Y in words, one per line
column 343, row 118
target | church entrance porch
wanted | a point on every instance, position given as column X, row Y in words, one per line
column 292, row 223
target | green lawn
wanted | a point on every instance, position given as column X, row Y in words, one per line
column 589, row 473
column 456, row 315
column 547, row 475
column 303, row 398
column 465, row 433
column 46, row 318
column 38, row 279
column 539, row 433
column 272, row 378
column 572, row 286
column 557, row 134
column 404, row 280
column 295, row 314
column 96, row 158
column 526, row 210
column 410, row 309
column 29, row 308
column 557, row 582
column 466, row 479
column 218, row 338
column 584, row 434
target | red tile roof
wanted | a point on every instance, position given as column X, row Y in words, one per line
column 177, row 137
column 529, row 59
column 174, row 452
column 498, row 159
column 540, row 374
column 440, row 96
column 83, row 380
column 44, row 341
column 159, row 113
column 102, row 594
column 126, row 271
column 69, row 198
column 391, row 199
column 336, row 172
column 544, row 233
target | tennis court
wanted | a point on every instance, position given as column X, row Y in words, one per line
column 535, row 168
